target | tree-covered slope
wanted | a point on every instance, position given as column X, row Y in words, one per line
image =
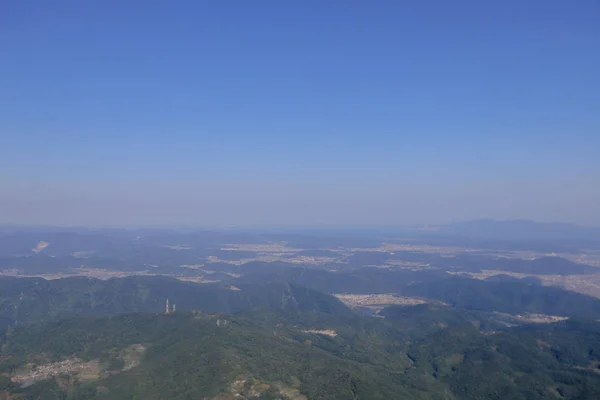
column 506, row 296
column 277, row 354
column 25, row 300
column 191, row 356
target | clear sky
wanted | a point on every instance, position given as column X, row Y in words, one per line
column 298, row 112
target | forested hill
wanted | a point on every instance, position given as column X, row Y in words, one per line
column 26, row 300
column 33, row 300
column 299, row 356
column 192, row 356
column 511, row 297
column 508, row 296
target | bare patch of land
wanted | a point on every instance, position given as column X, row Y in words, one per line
column 365, row 300
column 194, row 266
column 132, row 356
column 73, row 366
column 244, row 387
column 177, row 247
column 262, row 248
column 40, row 246
column 197, row 279
column 533, row 318
column 326, row 332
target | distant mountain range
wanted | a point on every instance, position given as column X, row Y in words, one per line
column 516, row 234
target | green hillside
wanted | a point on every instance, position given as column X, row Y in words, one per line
column 188, row 356
column 33, row 300
column 277, row 354
column 511, row 297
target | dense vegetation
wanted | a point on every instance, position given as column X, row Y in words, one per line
column 187, row 356
column 507, row 296
column 27, row 300
column 503, row 295
column 33, row 299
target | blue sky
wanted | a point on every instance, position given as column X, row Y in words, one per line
column 291, row 113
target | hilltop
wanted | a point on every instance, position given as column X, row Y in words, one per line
column 26, row 300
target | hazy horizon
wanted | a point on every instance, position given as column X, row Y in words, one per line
column 307, row 114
